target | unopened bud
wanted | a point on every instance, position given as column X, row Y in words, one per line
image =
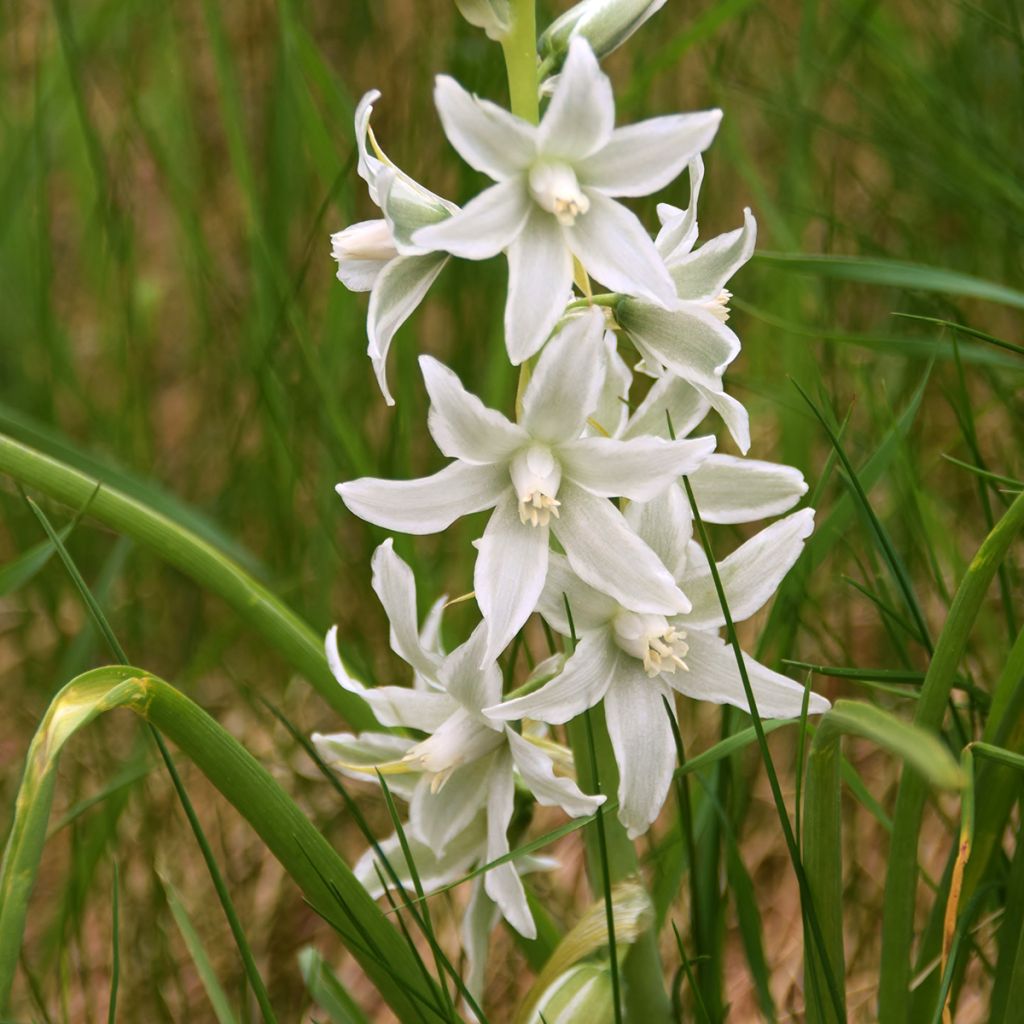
column 583, row 995
column 605, row 24
column 493, row 16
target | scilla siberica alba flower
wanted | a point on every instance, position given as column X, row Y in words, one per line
column 466, row 764
column 379, row 256
column 540, row 475
column 553, row 197
column 634, row 660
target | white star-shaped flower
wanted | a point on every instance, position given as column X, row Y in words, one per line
column 553, row 200
column 634, row 661
column 540, row 476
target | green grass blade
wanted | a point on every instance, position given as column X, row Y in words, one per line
column 327, row 991
column 115, row 945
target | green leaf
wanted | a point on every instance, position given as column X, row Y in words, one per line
column 327, row 991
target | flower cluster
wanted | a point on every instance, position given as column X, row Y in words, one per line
column 591, row 528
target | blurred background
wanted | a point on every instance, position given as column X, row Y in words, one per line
column 170, row 322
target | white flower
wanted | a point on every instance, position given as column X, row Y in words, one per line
column 634, row 661
column 379, row 256
column 466, row 765
column 493, row 16
column 553, row 197
column 540, row 476
column 605, row 24
column 689, row 337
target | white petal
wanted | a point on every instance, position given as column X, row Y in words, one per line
column 638, row 468
column 437, row 818
column 502, row 883
column 703, row 273
column 484, row 226
column 605, row 553
column 665, row 525
column 461, row 425
column 612, row 410
column 641, row 737
column 642, row 158
column 681, row 401
column 732, row 490
column 581, row 114
column 360, row 275
column 581, row 684
column 714, row 676
column 430, row 633
column 394, row 584
column 429, row 504
column 509, row 573
column 679, row 227
column 392, row 705
column 361, row 252
column 342, row 751
column 368, row 166
column 478, row 921
column 539, row 285
column 590, row 608
column 614, row 248
column 550, row 790
column 689, row 340
column 750, row 575
column 487, row 137
column 566, row 381
column 474, row 683
column 398, row 290
column 734, row 414
column 407, row 207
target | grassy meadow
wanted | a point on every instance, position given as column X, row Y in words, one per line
column 171, row 327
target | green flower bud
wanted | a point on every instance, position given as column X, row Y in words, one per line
column 604, row 23
column 493, row 16
column 583, row 995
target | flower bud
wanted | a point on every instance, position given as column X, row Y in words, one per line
column 603, row 23
column 493, row 16
column 583, row 995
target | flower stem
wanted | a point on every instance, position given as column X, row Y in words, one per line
column 520, row 48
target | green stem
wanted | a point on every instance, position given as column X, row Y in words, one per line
column 901, row 880
column 520, row 49
column 210, row 568
column 306, row 855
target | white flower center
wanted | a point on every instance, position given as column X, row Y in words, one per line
column 555, row 188
column 462, row 738
column 650, row 638
column 536, row 475
column 369, row 240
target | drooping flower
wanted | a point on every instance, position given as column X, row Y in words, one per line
column 468, row 763
column 636, row 661
column 689, row 337
column 379, row 256
column 540, row 476
column 553, row 200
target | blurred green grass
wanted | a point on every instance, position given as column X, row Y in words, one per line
column 169, row 176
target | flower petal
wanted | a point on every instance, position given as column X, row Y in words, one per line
column 408, row 207
column 466, row 676
column 750, row 575
column 733, row 490
column 614, row 247
column 550, row 790
column 692, row 342
column 486, row 136
column 714, row 676
column 679, row 227
column 397, row 291
column 438, row 817
column 641, row 737
column 479, row 919
column 581, row 684
column 483, row 227
column 703, row 273
column 605, row 553
column 642, row 158
column 461, row 425
column 539, row 285
column 392, row 705
column 665, row 525
column 509, row 574
column 342, row 751
column 566, row 382
column 590, row 608
column 502, row 883
column 368, row 165
column 733, row 413
column 429, row 504
column 638, row 468
column 581, row 114
column 612, row 410
column 358, row 272
column 670, row 397
column 395, row 586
